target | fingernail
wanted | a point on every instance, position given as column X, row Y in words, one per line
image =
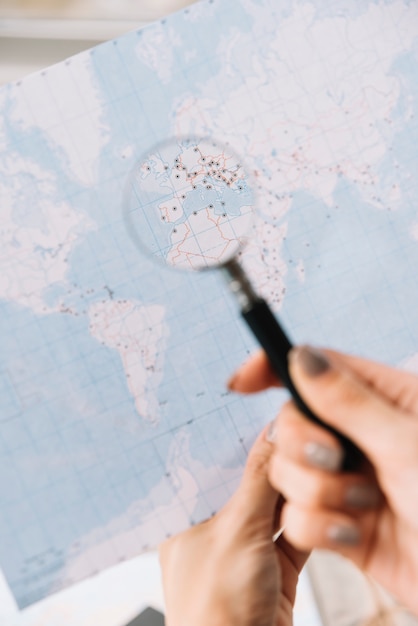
column 271, row 432
column 311, row 360
column 344, row 534
column 362, row 496
column 323, row 457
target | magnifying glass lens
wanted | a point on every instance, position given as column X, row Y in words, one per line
column 189, row 203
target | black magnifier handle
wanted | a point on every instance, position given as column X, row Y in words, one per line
column 277, row 346
column 272, row 338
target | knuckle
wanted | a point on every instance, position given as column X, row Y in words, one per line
column 257, row 463
column 288, row 424
column 298, row 527
column 303, row 486
column 290, row 432
column 275, row 471
column 325, row 491
column 310, row 490
column 295, row 431
column 348, row 392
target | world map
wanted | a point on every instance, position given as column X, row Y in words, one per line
column 116, row 426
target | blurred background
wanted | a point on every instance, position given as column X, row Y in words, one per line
column 38, row 33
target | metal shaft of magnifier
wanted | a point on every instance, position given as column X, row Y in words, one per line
column 266, row 328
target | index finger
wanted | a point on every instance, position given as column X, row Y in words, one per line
column 255, row 375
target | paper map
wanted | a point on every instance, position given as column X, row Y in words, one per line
column 116, row 429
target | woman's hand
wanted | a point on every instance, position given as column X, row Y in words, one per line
column 227, row 571
column 370, row 516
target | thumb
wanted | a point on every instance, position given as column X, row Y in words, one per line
column 255, row 497
column 345, row 401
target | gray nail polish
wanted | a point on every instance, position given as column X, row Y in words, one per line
column 312, row 361
column 362, row 496
column 348, row 535
column 323, row 457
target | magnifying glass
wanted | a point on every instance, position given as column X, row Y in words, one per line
column 189, row 203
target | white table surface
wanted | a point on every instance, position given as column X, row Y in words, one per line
column 116, row 596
